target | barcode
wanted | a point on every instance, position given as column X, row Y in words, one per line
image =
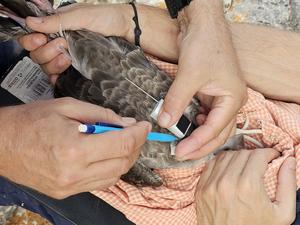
column 40, row 88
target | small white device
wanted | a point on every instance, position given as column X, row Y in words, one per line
column 181, row 129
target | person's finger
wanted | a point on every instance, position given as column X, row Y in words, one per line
column 185, row 150
column 47, row 24
column 286, row 189
column 66, row 20
column 58, row 65
column 176, row 100
column 53, row 78
column 218, row 119
column 49, row 51
column 87, row 112
column 259, row 160
column 118, row 144
column 32, row 41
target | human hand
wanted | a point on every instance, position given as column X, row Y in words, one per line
column 231, row 190
column 208, row 68
column 73, row 17
column 42, row 148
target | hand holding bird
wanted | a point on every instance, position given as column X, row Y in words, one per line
column 208, row 65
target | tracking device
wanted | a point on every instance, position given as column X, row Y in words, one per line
column 181, row 129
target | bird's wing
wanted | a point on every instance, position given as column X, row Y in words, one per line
column 13, row 14
column 71, row 83
column 108, row 62
column 10, row 30
column 20, row 7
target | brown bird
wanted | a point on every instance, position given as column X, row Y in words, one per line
column 112, row 73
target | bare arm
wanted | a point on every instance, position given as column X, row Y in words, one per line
column 159, row 32
column 269, row 58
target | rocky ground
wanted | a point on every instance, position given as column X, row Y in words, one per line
column 284, row 14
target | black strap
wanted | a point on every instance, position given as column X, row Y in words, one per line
column 137, row 29
column 174, row 6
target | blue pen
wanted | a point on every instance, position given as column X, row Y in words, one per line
column 100, row 128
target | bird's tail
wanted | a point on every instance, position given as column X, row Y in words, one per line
column 14, row 12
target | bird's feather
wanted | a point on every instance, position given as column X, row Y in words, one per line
column 20, row 7
column 10, row 30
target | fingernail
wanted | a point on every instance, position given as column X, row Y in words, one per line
column 164, row 119
column 129, row 120
column 39, row 41
column 37, row 19
column 63, row 62
column 147, row 124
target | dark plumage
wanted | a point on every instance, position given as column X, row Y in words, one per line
column 101, row 66
column 9, row 29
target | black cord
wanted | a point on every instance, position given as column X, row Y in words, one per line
column 137, row 29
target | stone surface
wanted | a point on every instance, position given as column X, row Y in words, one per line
column 278, row 13
column 13, row 215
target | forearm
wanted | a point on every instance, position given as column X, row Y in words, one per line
column 269, row 58
column 159, row 31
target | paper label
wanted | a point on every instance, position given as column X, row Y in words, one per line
column 28, row 82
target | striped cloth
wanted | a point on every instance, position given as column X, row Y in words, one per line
column 174, row 203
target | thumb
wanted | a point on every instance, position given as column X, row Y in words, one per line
column 54, row 23
column 286, row 190
column 90, row 113
column 176, row 101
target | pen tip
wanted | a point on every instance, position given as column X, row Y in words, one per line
column 82, row 128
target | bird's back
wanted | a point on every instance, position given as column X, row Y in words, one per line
column 112, row 69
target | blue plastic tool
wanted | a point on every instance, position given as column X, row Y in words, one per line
column 100, row 128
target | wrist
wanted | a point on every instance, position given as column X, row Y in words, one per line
column 202, row 11
column 127, row 14
column 128, row 29
column 134, row 20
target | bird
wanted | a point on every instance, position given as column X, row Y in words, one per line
column 113, row 73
